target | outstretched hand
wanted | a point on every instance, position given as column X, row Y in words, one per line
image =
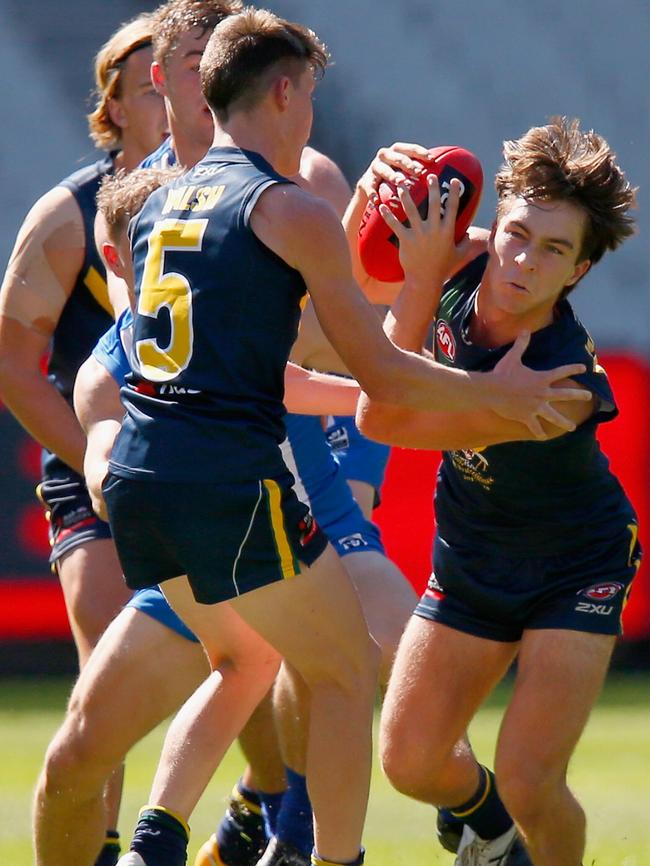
column 528, row 396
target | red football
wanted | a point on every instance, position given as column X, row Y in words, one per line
column 378, row 245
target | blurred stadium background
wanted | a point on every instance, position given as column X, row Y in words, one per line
column 437, row 73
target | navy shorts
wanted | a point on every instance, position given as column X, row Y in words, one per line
column 152, row 602
column 498, row 597
column 227, row 538
column 72, row 521
column 360, row 458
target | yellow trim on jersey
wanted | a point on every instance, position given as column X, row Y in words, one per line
column 488, row 787
column 287, row 565
column 97, row 287
column 169, row 812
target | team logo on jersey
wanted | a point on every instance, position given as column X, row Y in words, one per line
column 473, row 466
column 445, row 340
column 434, row 590
column 337, row 438
column 602, row 591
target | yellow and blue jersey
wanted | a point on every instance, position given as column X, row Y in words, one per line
column 216, row 315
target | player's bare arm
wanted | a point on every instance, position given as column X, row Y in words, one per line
column 307, row 235
column 100, row 412
column 41, row 274
column 308, row 392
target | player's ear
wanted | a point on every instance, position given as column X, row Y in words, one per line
column 116, row 113
column 580, row 270
column 112, row 258
column 158, row 78
column 281, row 91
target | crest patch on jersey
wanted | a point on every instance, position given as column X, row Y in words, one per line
column 445, row 340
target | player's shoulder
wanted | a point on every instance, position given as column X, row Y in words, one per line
column 323, row 178
column 55, row 210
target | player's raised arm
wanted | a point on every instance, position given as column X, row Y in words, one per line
column 307, row 235
column 308, row 392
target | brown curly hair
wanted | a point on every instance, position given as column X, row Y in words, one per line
column 560, row 161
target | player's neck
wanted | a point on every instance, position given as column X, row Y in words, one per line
column 252, row 132
column 188, row 152
column 492, row 326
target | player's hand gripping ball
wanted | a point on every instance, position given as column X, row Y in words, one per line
column 378, row 246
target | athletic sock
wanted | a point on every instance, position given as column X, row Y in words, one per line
column 271, row 807
column 484, row 812
column 110, row 853
column 161, row 837
column 317, row 860
column 295, row 823
column 248, row 797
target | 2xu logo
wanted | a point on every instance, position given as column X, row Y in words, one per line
column 597, row 594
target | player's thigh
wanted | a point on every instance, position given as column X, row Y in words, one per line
column 559, row 676
column 139, row 673
column 314, row 620
column 387, row 598
column 94, row 589
column 440, row 678
column 224, row 633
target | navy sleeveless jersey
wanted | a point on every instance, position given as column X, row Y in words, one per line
column 530, row 497
column 216, row 315
column 88, row 312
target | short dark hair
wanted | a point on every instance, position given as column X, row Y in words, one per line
column 247, row 46
column 176, row 17
column 560, row 161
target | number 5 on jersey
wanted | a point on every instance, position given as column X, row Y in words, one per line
column 171, row 290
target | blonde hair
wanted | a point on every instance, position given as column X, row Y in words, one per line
column 122, row 195
column 109, row 62
column 176, row 17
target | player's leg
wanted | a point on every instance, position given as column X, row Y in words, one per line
column 560, row 674
column 365, row 496
column 93, row 589
column 241, row 837
column 316, row 622
column 94, row 593
column 110, row 709
column 440, row 678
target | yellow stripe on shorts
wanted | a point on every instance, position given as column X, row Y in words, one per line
column 285, row 553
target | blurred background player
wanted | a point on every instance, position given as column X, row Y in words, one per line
column 523, row 558
column 54, row 297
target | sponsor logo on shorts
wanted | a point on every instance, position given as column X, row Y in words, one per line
column 308, row 529
column 445, row 340
column 337, row 438
column 597, row 594
column 434, row 590
column 602, row 591
column 353, row 541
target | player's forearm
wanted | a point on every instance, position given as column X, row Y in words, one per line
column 43, row 412
column 308, row 392
column 408, row 321
column 101, row 437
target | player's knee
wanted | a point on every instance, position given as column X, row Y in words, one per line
column 407, row 760
column 71, row 761
column 352, row 667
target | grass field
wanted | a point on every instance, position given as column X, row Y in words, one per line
column 610, row 772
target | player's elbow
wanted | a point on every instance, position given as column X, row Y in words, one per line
column 371, row 420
